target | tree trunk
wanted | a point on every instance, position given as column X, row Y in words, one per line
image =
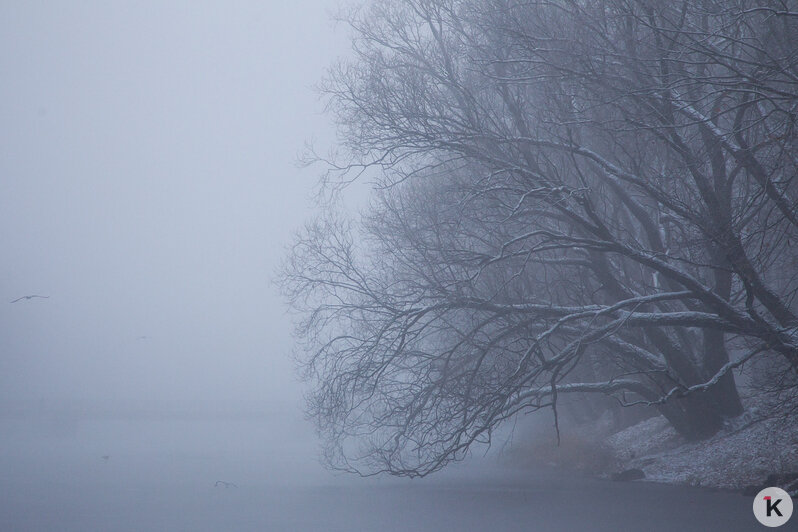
column 724, row 393
column 693, row 417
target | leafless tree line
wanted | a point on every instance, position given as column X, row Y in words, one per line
column 575, row 196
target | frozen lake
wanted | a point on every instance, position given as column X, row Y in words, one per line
column 160, row 474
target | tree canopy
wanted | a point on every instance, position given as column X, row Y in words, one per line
column 574, row 196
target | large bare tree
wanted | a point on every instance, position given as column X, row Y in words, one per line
column 568, row 188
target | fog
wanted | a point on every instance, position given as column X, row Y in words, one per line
column 149, row 191
column 149, row 188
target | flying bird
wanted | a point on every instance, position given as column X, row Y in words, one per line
column 30, row 297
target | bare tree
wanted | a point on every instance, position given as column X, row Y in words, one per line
column 564, row 183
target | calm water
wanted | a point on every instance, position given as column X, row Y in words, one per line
column 160, row 475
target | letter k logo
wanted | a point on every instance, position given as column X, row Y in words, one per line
column 772, row 506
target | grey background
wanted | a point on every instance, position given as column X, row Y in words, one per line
column 148, row 185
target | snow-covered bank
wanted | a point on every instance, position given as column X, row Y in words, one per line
column 751, row 451
column 745, row 453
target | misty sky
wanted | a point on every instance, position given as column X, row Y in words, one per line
column 148, row 185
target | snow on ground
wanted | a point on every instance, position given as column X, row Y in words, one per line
column 742, row 454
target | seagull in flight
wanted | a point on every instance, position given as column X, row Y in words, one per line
column 30, row 297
